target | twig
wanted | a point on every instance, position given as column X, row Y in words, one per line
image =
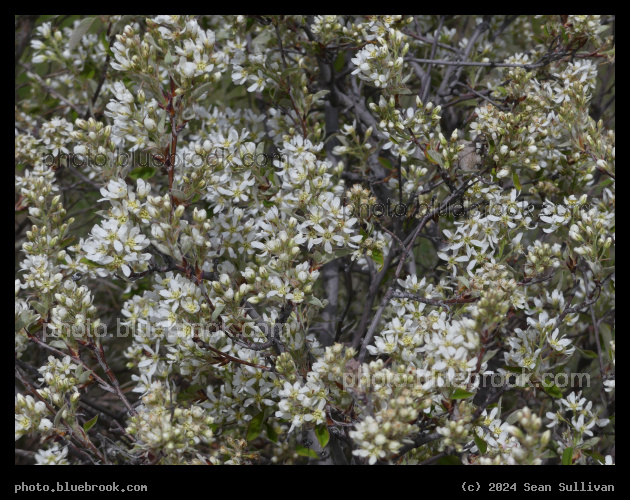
column 444, row 62
column 491, row 399
column 49, row 89
column 427, row 77
column 409, row 245
column 420, row 440
column 434, row 302
column 100, row 357
column 86, row 443
column 78, row 174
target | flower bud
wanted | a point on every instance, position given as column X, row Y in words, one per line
column 149, row 124
column 607, row 243
column 199, row 215
column 544, row 439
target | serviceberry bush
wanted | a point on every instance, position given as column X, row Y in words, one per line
column 315, row 239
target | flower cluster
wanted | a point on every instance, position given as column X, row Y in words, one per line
column 581, row 426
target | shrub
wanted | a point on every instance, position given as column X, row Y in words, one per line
column 335, row 239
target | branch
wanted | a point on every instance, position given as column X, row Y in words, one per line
column 420, row 440
column 433, row 302
column 409, row 242
column 427, row 79
column 49, row 89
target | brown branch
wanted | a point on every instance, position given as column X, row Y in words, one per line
column 100, row 357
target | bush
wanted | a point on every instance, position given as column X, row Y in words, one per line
column 328, row 239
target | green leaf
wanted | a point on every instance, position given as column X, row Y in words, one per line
column 306, row 452
column 36, row 221
column 322, row 434
column 450, row 460
column 178, row 193
column 168, row 58
column 435, row 157
column 199, row 91
column 122, row 22
column 255, row 426
column 481, row 444
column 340, row 61
column 513, row 369
column 567, row 456
column 162, row 124
column 88, row 71
column 512, row 418
column 606, row 336
column 589, row 354
column 249, row 24
column 25, row 320
column 89, row 262
column 58, row 415
column 217, row 311
column 591, row 443
column 290, row 71
column 596, row 456
column 315, row 301
column 85, row 376
column 553, row 390
column 66, row 241
column 517, row 181
column 21, row 322
column 90, row 423
column 342, row 252
column 40, row 308
column 269, row 412
column 261, row 40
column 406, row 78
column 320, row 95
column 142, row 173
column 385, row 162
column 461, row 394
column 377, row 256
column 79, row 32
column 271, row 434
column 489, row 355
column 463, row 281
